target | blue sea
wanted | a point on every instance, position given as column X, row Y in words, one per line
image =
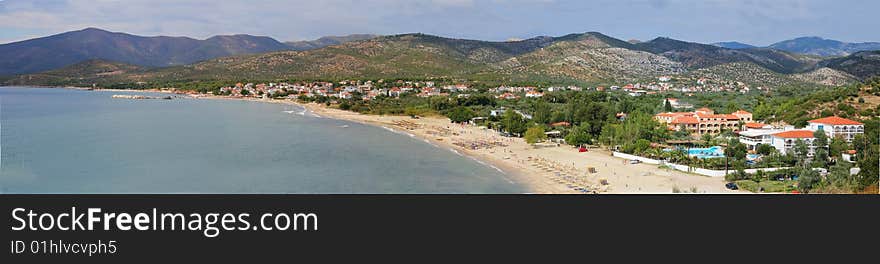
column 75, row 141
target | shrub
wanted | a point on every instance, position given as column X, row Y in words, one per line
column 535, row 134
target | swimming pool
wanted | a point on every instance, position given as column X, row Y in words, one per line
column 706, row 153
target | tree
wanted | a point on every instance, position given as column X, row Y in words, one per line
column 461, row 114
column 667, row 106
column 543, row 113
column 535, row 134
column 867, row 154
column 579, row 135
column 801, row 152
column 638, row 147
column 765, row 149
column 735, row 150
column 413, row 111
column 513, row 122
column 731, row 107
column 820, row 158
column 839, row 177
column 639, row 125
column 837, row 147
column 708, row 139
column 681, row 134
column 807, row 179
column 609, row 135
column 345, row 106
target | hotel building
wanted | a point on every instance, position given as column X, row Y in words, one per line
column 704, row 121
column 837, row 127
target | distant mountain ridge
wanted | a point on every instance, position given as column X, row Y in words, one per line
column 73, row 47
column 823, row 47
column 733, row 45
column 696, row 55
column 327, row 41
column 810, row 46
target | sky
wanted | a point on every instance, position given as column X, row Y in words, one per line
column 757, row 22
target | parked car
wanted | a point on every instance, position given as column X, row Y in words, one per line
column 635, row 161
column 731, row 186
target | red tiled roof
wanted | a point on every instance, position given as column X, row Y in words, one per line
column 755, row 125
column 835, row 121
column 711, row 116
column 671, row 114
column 795, row 134
column 685, row 120
column 741, row 112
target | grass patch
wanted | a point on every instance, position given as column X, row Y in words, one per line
column 769, row 186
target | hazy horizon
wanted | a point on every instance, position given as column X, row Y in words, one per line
column 757, row 23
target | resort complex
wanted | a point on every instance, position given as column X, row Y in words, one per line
column 784, row 139
column 704, row 121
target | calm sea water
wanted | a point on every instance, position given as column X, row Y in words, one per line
column 72, row 141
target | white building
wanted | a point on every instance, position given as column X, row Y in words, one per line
column 534, row 94
column 784, row 142
column 784, row 139
column 754, row 137
column 675, row 103
column 837, row 127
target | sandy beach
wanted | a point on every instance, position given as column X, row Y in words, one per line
column 543, row 170
column 546, row 170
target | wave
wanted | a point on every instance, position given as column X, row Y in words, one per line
column 430, row 143
column 455, row 151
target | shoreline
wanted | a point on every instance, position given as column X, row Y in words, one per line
column 544, row 170
column 514, row 174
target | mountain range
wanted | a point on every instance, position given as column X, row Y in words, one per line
column 586, row 58
column 824, row 47
column 810, row 46
column 64, row 49
column 68, row 48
